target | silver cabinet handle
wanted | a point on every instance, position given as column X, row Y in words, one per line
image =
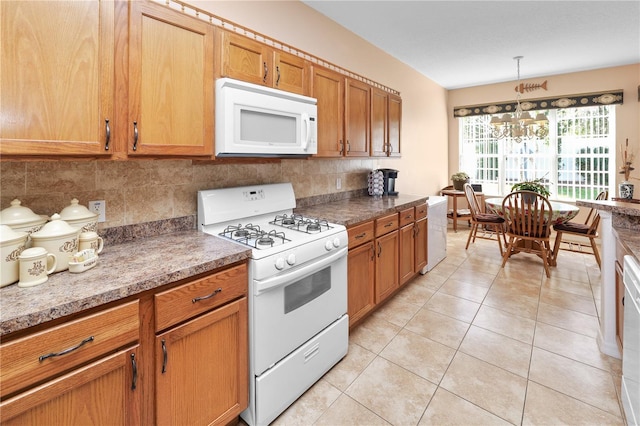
column 134, row 367
column 135, row 135
column 66, row 351
column 197, row 299
column 165, row 357
column 108, row 135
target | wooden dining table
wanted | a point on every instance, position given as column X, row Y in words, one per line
column 561, row 212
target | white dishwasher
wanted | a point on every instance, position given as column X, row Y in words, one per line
column 631, row 342
column 437, row 231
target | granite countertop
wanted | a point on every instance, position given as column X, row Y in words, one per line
column 625, row 221
column 620, row 207
column 351, row 211
column 123, row 270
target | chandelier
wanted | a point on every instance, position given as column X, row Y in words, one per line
column 520, row 125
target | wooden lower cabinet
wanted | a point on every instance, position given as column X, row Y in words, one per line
column 421, row 229
column 387, row 256
column 361, row 279
column 201, row 368
column 104, row 392
column 144, row 361
column 407, row 252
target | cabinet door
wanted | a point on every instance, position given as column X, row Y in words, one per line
column 357, row 118
column 420, row 239
column 386, row 265
column 407, row 253
column 291, row 73
column 379, row 128
column 105, row 392
column 201, row 368
column 328, row 88
column 361, row 267
column 56, row 77
column 395, row 117
column 246, row 59
column 170, row 82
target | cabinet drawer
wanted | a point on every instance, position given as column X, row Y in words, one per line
column 33, row 358
column 407, row 216
column 188, row 300
column 421, row 211
column 386, row 224
column 360, row 234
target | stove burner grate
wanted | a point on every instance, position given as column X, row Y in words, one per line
column 300, row 223
column 253, row 236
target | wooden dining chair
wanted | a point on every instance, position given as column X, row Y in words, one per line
column 490, row 224
column 528, row 226
column 588, row 229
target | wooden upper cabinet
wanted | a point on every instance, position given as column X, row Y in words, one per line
column 245, row 59
column 249, row 60
column 357, row 118
column 379, row 122
column 56, row 77
column 291, row 73
column 395, row 117
column 386, row 113
column 171, row 81
column 328, row 88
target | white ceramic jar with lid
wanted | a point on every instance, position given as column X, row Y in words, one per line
column 58, row 238
column 78, row 216
column 12, row 244
column 21, row 218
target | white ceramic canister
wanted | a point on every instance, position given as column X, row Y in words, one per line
column 58, row 238
column 12, row 244
column 90, row 240
column 35, row 266
column 21, row 218
column 78, row 216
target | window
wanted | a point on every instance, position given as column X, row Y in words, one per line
column 573, row 160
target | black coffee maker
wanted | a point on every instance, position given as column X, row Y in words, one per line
column 390, row 176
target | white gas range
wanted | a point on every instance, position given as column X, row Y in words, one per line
column 298, row 323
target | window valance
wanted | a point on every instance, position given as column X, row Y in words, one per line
column 587, row 99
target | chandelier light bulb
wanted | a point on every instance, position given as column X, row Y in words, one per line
column 520, row 125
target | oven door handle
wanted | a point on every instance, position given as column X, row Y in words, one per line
column 294, row 274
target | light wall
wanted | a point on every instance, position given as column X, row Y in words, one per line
column 627, row 114
column 139, row 191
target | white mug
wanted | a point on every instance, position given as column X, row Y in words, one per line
column 90, row 240
column 35, row 266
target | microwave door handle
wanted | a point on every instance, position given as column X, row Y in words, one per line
column 305, row 119
column 270, row 283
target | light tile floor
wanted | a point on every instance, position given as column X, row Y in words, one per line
column 473, row 343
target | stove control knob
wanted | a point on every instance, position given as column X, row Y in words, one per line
column 291, row 259
column 328, row 245
column 279, row 263
column 336, row 242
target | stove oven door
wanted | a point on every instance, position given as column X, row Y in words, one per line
column 291, row 308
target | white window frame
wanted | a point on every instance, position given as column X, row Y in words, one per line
column 571, row 190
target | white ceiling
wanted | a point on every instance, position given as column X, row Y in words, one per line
column 469, row 43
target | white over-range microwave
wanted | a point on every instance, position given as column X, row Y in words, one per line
column 257, row 121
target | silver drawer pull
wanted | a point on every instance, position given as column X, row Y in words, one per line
column 66, row 351
column 197, row 299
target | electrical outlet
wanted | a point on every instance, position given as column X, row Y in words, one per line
column 338, row 183
column 99, row 207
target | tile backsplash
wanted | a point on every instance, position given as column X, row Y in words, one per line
column 138, row 191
